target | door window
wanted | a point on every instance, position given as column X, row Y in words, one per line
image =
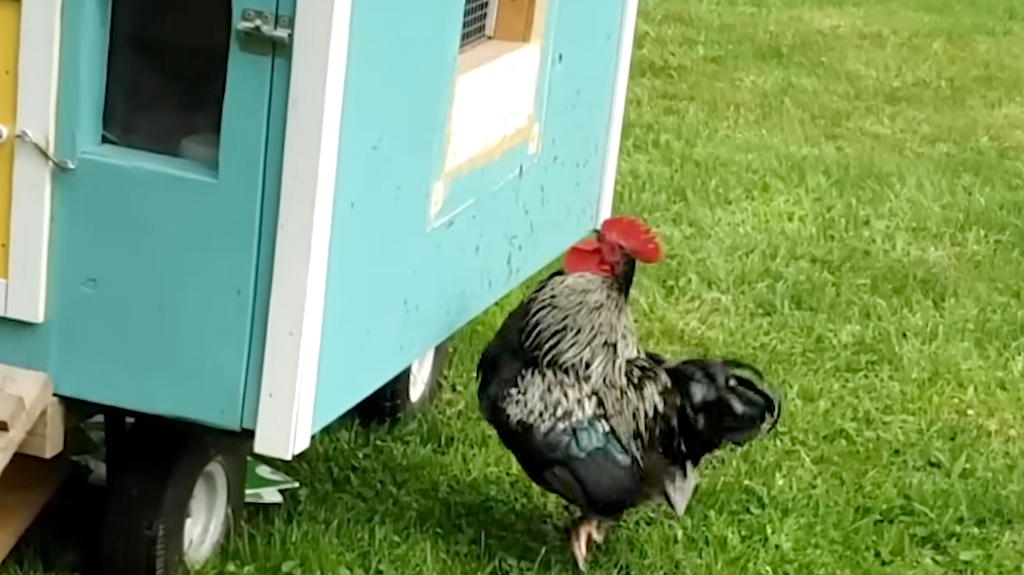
column 166, row 75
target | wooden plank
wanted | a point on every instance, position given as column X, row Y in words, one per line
column 12, row 410
column 46, row 438
column 514, row 21
column 25, row 487
column 35, row 389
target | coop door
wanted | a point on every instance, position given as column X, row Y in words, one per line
column 163, row 108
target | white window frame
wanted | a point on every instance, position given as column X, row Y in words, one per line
column 23, row 294
column 492, row 18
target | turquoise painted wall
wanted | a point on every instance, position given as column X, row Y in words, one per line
column 395, row 287
column 159, row 287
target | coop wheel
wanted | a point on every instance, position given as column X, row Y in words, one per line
column 173, row 494
column 408, row 392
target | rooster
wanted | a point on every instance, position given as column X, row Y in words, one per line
column 590, row 416
column 564, row 377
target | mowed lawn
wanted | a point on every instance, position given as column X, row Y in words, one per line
column 840, row 186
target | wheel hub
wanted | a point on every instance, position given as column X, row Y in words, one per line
column 207, row 517
column 420, row 372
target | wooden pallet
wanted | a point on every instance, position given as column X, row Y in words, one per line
column 31, row 435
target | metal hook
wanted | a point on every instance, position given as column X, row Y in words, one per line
column 4, row 133
column 26, row 136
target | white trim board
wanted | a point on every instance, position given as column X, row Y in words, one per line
column 3, row 297
column 611, row 158
column 284, row 419
column 38, row 62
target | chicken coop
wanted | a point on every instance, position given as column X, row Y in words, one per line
column 225, row 224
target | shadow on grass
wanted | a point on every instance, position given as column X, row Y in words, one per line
column 409, row 484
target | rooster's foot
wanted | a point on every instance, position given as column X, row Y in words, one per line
column 583, row 533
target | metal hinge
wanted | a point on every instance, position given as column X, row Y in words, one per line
column 260, row 25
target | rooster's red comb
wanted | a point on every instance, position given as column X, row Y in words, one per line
column 634, row 236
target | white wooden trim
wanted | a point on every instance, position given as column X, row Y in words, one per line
column 284, row 420
column 611, row 158
column 3, row 297
column 38, row 62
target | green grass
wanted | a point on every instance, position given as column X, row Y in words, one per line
column 840, row 186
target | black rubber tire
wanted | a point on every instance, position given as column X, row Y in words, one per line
column 391, row 403
column 152, row 468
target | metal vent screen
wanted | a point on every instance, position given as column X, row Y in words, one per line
column 475, row 18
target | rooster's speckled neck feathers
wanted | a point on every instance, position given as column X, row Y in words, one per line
column 579, row 329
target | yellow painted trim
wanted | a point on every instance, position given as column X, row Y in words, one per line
column 10, row 24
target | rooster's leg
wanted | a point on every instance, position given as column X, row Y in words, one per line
column 600, row 531
column 583, row 533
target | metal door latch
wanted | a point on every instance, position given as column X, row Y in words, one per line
column 26, row 136
column 277, row 29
